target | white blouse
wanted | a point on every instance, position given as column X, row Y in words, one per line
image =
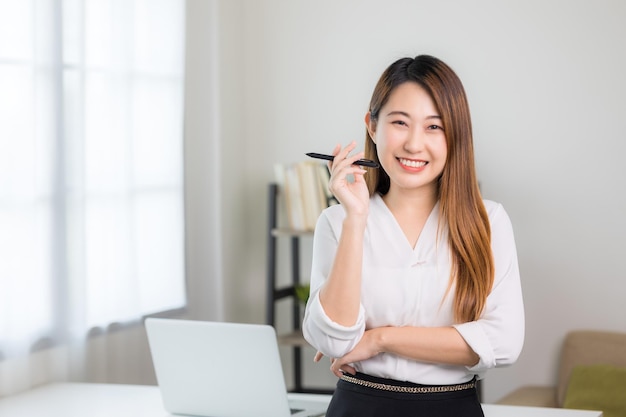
column 405, row 286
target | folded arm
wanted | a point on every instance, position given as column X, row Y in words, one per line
column 443, row 345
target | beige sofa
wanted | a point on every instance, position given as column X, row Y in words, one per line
column 581, row 347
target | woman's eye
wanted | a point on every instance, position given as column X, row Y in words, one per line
column 399, row 122
column 435, row 127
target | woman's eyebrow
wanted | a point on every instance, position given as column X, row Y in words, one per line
column 405, row 114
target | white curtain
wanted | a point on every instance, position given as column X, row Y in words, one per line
column 91, row 171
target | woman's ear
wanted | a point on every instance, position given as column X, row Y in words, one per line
column 371, row 126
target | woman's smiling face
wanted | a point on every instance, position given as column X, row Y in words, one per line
column 410, row 139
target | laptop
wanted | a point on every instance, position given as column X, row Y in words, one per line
column 217, row 369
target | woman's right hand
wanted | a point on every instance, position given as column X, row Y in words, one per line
column 347, row 182
column 340, row 293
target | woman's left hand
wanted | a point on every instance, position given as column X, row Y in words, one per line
column 367, row 347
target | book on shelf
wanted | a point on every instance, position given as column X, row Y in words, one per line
column 304, row 187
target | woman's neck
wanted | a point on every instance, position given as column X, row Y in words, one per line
column 416, row 201
column 411, row 210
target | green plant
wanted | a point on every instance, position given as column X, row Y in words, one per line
column 302, row 292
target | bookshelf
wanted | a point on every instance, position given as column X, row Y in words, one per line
column 293, row 338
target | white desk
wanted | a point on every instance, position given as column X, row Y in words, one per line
column 113, row 400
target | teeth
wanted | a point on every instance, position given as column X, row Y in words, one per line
column 412, row 164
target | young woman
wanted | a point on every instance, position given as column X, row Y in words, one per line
column 415, row 288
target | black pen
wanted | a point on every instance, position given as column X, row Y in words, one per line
column 363, row 162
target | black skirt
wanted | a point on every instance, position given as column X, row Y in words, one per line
column 363, row 397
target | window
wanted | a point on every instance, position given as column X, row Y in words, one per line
column 91, row 165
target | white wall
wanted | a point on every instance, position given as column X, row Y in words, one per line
column 546, row 85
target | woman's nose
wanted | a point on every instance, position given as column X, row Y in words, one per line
column 414, row 141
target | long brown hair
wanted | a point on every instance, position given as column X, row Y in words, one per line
column 460, row 202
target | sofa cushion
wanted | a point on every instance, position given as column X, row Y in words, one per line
column 597, row 387
column 589, row 347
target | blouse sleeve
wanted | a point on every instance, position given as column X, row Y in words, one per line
column 327, row 336
column 498, row 335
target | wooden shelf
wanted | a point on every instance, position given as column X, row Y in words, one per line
column 292, row 339
column 284, row 232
